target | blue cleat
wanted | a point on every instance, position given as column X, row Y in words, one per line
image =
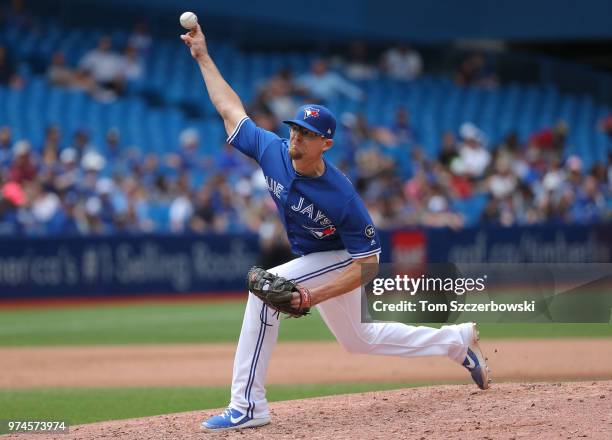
column 476, row 363
column 233, row 419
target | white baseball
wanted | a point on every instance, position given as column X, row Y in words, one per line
column 189, row 20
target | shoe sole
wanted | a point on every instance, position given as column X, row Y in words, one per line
column 482, row 360
column 254, row 423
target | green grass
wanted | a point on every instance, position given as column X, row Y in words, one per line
column 199, row 322
column 87, row 405
column 146, row 323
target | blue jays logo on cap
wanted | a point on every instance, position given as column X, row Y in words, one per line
column 310, row 112
column 315, row 118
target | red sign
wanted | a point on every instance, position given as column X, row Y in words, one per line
column 409, row 247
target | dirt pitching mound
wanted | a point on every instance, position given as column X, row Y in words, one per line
column 521, row 360
column 506, row 411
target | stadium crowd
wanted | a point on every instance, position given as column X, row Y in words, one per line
column 78, row 187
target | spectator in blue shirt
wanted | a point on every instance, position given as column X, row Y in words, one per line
column 323, row 85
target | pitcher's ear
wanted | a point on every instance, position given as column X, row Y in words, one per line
column 328, row 144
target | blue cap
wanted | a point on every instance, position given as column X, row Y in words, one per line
column 315, row 118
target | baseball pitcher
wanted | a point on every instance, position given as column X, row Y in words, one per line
column 329, row 227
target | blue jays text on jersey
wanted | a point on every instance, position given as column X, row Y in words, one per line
column 319, row 213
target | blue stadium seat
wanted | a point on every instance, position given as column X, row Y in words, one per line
column 171, row 96
column 471, row 208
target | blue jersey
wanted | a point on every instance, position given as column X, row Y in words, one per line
column 319, row 213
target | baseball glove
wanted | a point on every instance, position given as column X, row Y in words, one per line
column 276, row 292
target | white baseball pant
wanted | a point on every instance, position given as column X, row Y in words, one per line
column 342, row 315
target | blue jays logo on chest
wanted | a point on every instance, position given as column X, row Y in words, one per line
column 321, row 233
column 324, row 228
